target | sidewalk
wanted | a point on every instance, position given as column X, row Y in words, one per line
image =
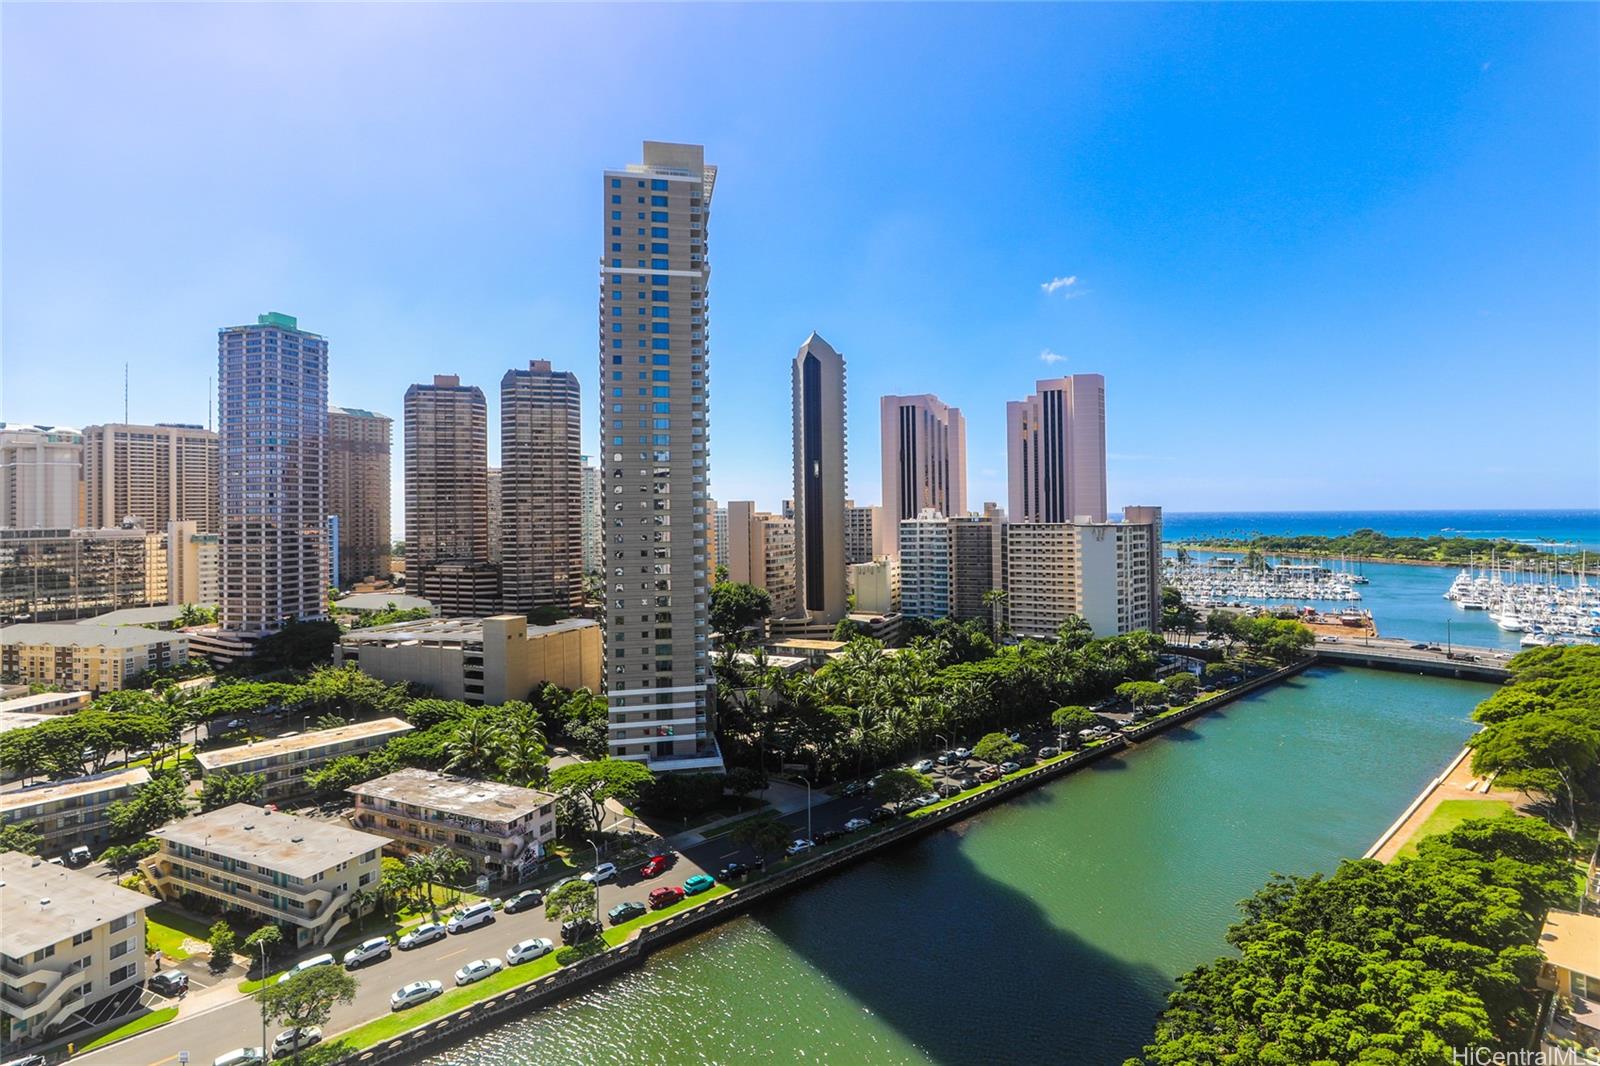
column 783, row 798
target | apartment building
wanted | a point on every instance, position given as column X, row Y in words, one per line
column 1056, row 451
column 358, row 491
column 69, row 942
column 977, row 562
column 1106, row 573
column 760, row 551
column 500, row 829
column 49, row 703
column 447, row 498
column 924, row 457
column 41, row 477
column 71, row 813
column 50, row 574
column 159, row 474
column 818, row 386
column 876, row 586
column 283, row 762
column 541, row 489
column 96, row 658
column 483, row 661
column 496, row 503
column 297, row 872
column 593, row 551
column 868, row 534
column 925, row 560
column 194, row 565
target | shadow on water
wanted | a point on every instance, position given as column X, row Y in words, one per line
column 988, row 969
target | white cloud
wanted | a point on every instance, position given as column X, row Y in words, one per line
column 1057, row 284
column 1047, row 356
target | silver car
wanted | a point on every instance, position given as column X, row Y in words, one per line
column 414, row 993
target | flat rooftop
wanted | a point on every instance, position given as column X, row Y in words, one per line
column 810, row 644
column 72, row 635
column 77, row 786
column 1572, row 941
column 19, row 720
column 44, row 703
column 45, row 904
column 381, row 601
column 317, row 738
column 135, row 616
column 464, row 796
column 448, row 631
column 286, row 843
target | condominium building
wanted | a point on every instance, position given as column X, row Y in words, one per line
column 868, row 534
column 876, row 586
column 478, row 661
column 283, row 762
column 977, row 563
column 193, row 565
column 718, row 551
column 500, row 829
column 593, row 552
column 1106, row 573
column 924, row 457
column 96, row 658
column 48, row 574
column 541, row 489
column 1056, row 451
column 496, row 503
column 297, row 872
column 272, row 403
column 925, row 561
column 69, row 942
column 41, row 477
column 358, row 491
column 761, row 552
column 655, row 463
column 447, row 497
column 817, row 382
column 71, row 813
column 159, row 474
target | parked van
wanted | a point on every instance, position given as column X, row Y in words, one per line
column 471, row 917
column 309, row 964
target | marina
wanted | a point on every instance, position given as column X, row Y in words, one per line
column 1222, row 580
column 1542, row 603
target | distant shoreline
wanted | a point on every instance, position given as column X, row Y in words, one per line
column 1447, row 564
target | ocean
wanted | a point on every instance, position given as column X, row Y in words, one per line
column 1575, row 528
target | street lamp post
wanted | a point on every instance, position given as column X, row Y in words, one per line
column 807, row 780
column 944, row 782
column 596, row 881
column 262, row 947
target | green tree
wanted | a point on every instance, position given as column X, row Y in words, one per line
column 222, row 944
column 1142, row 695
column 765, row 836
column 575, row 899
column 737, row 607
column 307, row 999
column 848, row 629
column 263, row 943
column 996, row 748
column 223, row 788
column 296, row 646
column 473, row 746
column 899, row 784
column 153, row 804
column 1550, row 753
column 121, row 857
column 196, row 615
column 1072, row 720
column 347, row 693
column 1181, row 687
column 20, row 836
column 521, row 746
column 1224, row 672
column 591, row 784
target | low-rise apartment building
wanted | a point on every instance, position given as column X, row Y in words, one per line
column 46, row 703
column 283, row 762
column 69, row 941
column 71, row 813
column 481, row 661
column 95, row 658
column 298, row 872
column 498, row 828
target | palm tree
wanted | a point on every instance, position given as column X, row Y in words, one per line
column 361, row 901
column 472, row 746
column 522, row 756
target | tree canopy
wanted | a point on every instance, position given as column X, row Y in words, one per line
column 736, row 607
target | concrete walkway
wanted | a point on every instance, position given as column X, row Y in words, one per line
column 782, row 798
column 1457, row 782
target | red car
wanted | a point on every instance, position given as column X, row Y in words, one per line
column 665, row 896
column 657, row 865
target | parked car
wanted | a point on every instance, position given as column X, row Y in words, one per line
column 732, row 871
column 309, row 964
column 963, row 753
column 426, row 933
column 947, row 758
column 797, row 846
column 625, row 911
column 414, row 993
column 239, row 1056
column 167, row 982
column 856, row 825
column 471, row 916
column 989, row 773
column 528, row 950
column 1049, row 751
column 665, row 896
column 697, row 884
column 477, row 970
column 26, row 1060
column 927, row 799
column 823, row 836
column 966, row 781
column 853, row 788
column 1009, row 767
column 577, row 930
column 923, row 766
column 374, row 950
column 880, row 814
column 523, row 901
column 79, row 856
column 291, row 1040
column 606, row 871
column 1419, row 647
column 655, row 867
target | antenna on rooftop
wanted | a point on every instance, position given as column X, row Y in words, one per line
column 124, row 392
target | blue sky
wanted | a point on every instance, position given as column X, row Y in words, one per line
column 1326, row 256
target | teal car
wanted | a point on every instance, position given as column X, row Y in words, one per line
column 697, row 884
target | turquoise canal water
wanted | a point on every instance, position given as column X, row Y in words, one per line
column 1045, row 930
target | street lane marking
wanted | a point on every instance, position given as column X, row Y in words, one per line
column 169, row 1058
column 453, row 954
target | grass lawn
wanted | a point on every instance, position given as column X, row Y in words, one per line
column 396, row 1022
column 724, row 830
column 166, row 929
column 923, row 812
column 127, row 1029
column 619, row 934
column 1451, row 813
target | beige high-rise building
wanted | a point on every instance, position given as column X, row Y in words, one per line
column 447, row 497
column 977, row 554
column 876, row 586
column 41, row 477
column 868, row 534
column 656, row 457
column 817, row 379
column 541, row 489
column 593, row 552
column 496, row 539
column 924, row 457
column 158, row 474
column 1056, row 451
column 1107, row 573
column 358, row 491
column 193, row 565
column 761, row 552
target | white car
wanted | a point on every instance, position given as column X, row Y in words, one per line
column 528, row 950
column 291, row 1040
column 923, row 766
column 963, row 753
column 477, row 970
column 241, row 1056
column 426, row 933
column 414, row 993
column 376, row 949
column 798, row 846
column 606, row 871
column 926, row 799
column 855, row 825
column 309, row 964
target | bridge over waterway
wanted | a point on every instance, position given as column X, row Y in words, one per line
column 1473, row 664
